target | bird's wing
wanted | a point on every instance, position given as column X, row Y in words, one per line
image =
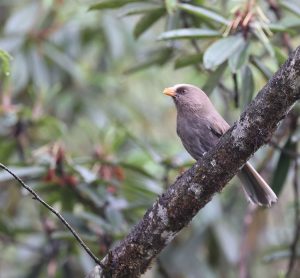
column 218, row 126
column 215, row 131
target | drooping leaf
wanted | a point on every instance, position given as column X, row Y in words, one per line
column 111, row 4
column 203, row 13
column 23, row 21
column 247, row 86
column 188, row 60
column 277, row 27
column 290, row 22
column 291, row 6
column 39, row 69
column 137, row 169
column 189, row 33
column 283, row 165
column 221, row 50
column 139, row 8
column 214, row 78
column 63, row 61
column 11, row 43
column 95, row 219
column 260, row 34
column 160, row 57
column 20, row 71
column 90, row 196
column 239, row 58
column 147, row 21
column 143, row 65
column 266, row 72
column 115, row 218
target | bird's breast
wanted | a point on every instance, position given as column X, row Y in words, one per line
column 195, row 134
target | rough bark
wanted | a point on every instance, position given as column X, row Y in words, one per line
column 175, row 208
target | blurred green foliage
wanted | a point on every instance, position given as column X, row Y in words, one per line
column 84, row 123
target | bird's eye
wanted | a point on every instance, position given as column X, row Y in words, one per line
column 183, row 91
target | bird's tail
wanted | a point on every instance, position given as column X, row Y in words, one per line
column 256, row 189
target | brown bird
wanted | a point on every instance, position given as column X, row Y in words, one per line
column 199, row 126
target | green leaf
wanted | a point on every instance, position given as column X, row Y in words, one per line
column 291, row 6
column 90, row 196
column 111, row 4
column 189, row 33
column 23, row 20
column 203, row 13
column 95, row 219
column 160, row 57
column 39, row 69
column 260, row 34
column 115, row 219
column 137, row 169
column 277, row 27
column 21, row 69
column 247, row 86
column 221, row 50
column 139, row 8
column 283, row 165
column 147, row 21
column 171, row 5
column 5, row 62
column 239, row 58
column 214, row 78
column 290, row 22
column 64, row 61
column 266, row 72
column 188, row 60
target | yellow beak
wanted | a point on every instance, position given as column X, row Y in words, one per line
column 169, row 92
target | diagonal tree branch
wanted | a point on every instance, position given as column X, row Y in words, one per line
column 195, row 188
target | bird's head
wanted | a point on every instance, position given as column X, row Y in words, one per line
column 187, row 95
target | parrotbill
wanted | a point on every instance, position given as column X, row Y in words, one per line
column 199, row 126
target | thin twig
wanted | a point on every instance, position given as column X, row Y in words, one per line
column 236, row 90
column 297, row 222
column 38, row 198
